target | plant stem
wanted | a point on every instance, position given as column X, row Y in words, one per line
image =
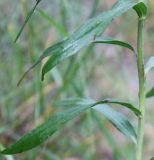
column 140, row 63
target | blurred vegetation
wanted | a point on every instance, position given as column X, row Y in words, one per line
column 98, row 72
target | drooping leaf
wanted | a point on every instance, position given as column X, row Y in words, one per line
column 83, row 36
column 114, row 42
column 150, row 65
column 122, row 103
column 41, row 133
column 150, row 93
column 79, row 101
column 29, row 15
column 141, row 10
column 118, row 120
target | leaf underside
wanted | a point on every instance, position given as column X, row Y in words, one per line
column 42, row 133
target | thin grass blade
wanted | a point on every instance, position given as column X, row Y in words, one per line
column 26, row 20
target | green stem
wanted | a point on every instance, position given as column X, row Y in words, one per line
column 140, row 63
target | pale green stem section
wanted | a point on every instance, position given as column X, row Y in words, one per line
column 140, row 63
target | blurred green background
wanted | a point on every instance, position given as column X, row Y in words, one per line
column 100, row 71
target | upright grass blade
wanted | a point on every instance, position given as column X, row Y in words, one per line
column 58, row 27
column 83, row 36
column 150, row 65
column 94, row 8
column 27, row 19
column 41, row 133
column 150, row 93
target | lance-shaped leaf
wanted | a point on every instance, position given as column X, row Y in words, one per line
column 83, row 36
column 29, row 15
column 114, row 42
column 41, row 133
column 150, row 93
column 117, row 119
column 141, row 10
column 56, row 58
column 150, row 65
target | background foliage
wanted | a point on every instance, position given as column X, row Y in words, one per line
column 99, row 72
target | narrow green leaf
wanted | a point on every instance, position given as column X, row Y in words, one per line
column 114, row 42
column 150, row 93
column 79, row 101
column 150, row 65
column 152, row 158
column 55, row 58
column 125, row 104
column 118, row 120
column 41, row 133
column 83, row 36
column 29, row 15
column 141, row 10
